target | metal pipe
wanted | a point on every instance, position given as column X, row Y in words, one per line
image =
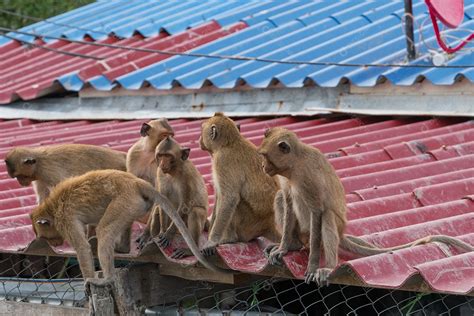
column 409, row 33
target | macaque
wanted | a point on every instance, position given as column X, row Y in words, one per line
column 179, row 181
column 109, row 199
column 141, row 156
column 310, row 206
column 244, row 193
column 46, row 166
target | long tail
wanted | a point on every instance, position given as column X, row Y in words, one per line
column 359, row 246
column 165, row 205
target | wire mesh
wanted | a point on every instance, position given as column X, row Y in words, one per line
column 58, row 281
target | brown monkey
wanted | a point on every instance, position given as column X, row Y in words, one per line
column 141, row 156
column 244, row 193
column 310, row 207
column 47, row 166
column 109, row 199
column 179, row 181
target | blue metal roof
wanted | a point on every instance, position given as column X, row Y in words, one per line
column 357, row 32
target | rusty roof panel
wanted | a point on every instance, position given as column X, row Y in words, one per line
column 417, row 179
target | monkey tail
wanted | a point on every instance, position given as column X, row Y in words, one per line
column 361, row 247
column 151, row 194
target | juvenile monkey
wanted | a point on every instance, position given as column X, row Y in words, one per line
column 46, row 166
column 180, row 182
column 109, row 199
column 311, row 208
column 244, row 193
column 141, row 156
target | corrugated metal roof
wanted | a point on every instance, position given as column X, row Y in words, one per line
column 404, row 178
column 29, row 73
column 357, row 32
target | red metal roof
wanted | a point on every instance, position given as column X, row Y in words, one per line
column 30, row 72
column 404, row 178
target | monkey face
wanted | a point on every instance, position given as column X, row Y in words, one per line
column 44, row 228
column 276, row 150
column 268, row 166
column 21, row 165
column 169, row 154
column 166, row 162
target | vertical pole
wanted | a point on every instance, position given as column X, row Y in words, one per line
column 409, row 30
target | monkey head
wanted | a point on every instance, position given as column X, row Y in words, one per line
column 169, row 154
column 156, row 130
column 43, row 226
column 217, row 132
column 277, row 148
column 21, row 164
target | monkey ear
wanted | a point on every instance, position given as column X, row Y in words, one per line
column 284, row 147
column 238, row 126
column 29, row 161
column 185, row 153
column 213, row 132
column 218, row 114
column 145, row 129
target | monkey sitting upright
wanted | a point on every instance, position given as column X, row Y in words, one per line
column 179, row 181
column 109, row 199
column 244, row 193
column 311, row 207
column 47, row 166
column 141, row 156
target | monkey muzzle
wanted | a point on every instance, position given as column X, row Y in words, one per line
column 24, row 181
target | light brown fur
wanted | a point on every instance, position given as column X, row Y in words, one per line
column 179, row 181
column 244, row 193
column 110, row 199
column 311, row 208
column 46, row 166
column 141, row 156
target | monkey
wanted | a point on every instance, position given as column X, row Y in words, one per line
column 244, row 193
column 109, row 199
column 310, row 206
column 46, row 166
column 180, row 182
column 141, row 156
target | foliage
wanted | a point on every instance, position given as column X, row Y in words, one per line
column 36, row 8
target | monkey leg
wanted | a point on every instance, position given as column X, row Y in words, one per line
column 196, row 221
column 78, row 240
column 152, row 228
column 315, row 232
column 122, row 244
column 286, row 221
column 330, row 241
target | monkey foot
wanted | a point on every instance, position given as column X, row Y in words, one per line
column 320, row 276
column 181, row 253
column 275, row 257
column 209, row 249
column 163, row 241
column 268, row 250
column 142, row 241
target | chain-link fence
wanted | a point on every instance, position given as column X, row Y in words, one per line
column 57, row 281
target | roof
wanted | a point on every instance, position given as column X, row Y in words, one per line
column 349, row 32
column 405, row 178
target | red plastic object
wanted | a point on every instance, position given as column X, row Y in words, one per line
column 451, row 14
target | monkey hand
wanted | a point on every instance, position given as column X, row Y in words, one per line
column 181, row 253
column 320, row 276
column 275, row 255
column 163, row 240
column 209, row 249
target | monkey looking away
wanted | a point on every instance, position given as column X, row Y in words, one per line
column 311, row 206
column 109, row 199
column 46, row 166
column 141, row 156
column 244, row 193
column 179, row 181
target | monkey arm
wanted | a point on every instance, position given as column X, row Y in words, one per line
column 41, row 190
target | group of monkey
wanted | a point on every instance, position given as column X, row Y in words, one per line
column 283, row 190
